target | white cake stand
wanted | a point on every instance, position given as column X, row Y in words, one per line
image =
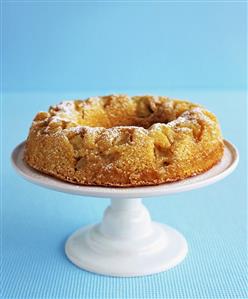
column 126, row 242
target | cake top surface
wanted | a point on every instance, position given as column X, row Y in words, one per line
column 115, row 112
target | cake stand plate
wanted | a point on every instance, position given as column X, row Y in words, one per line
column 126, row 242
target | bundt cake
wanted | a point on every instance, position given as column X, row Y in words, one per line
column 120, row 141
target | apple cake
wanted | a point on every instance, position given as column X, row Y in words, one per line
column 121, row 141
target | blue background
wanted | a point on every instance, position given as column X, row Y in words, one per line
column 92, row 46
column 62, row 50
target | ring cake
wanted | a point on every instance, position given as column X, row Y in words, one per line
column 120, row 141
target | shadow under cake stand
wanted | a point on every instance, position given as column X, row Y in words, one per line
column 126, row 242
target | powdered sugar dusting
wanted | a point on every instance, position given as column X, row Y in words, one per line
column 67, row 112
column 67, row 106
column 190, row 116
column 57, row 118
column 77, row 129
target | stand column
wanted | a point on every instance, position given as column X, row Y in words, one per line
column 126, row 218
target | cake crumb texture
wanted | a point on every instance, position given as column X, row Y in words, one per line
column 121, row 141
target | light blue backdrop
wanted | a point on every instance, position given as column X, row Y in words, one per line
column 92, row 46
column 54, row 51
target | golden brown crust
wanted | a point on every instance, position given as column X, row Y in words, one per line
column 124, row 141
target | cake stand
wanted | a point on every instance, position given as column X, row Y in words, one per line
column 126, row 242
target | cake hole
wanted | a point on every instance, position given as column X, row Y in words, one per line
column 113, row 111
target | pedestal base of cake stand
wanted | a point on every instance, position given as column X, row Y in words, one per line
column 127, row 243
